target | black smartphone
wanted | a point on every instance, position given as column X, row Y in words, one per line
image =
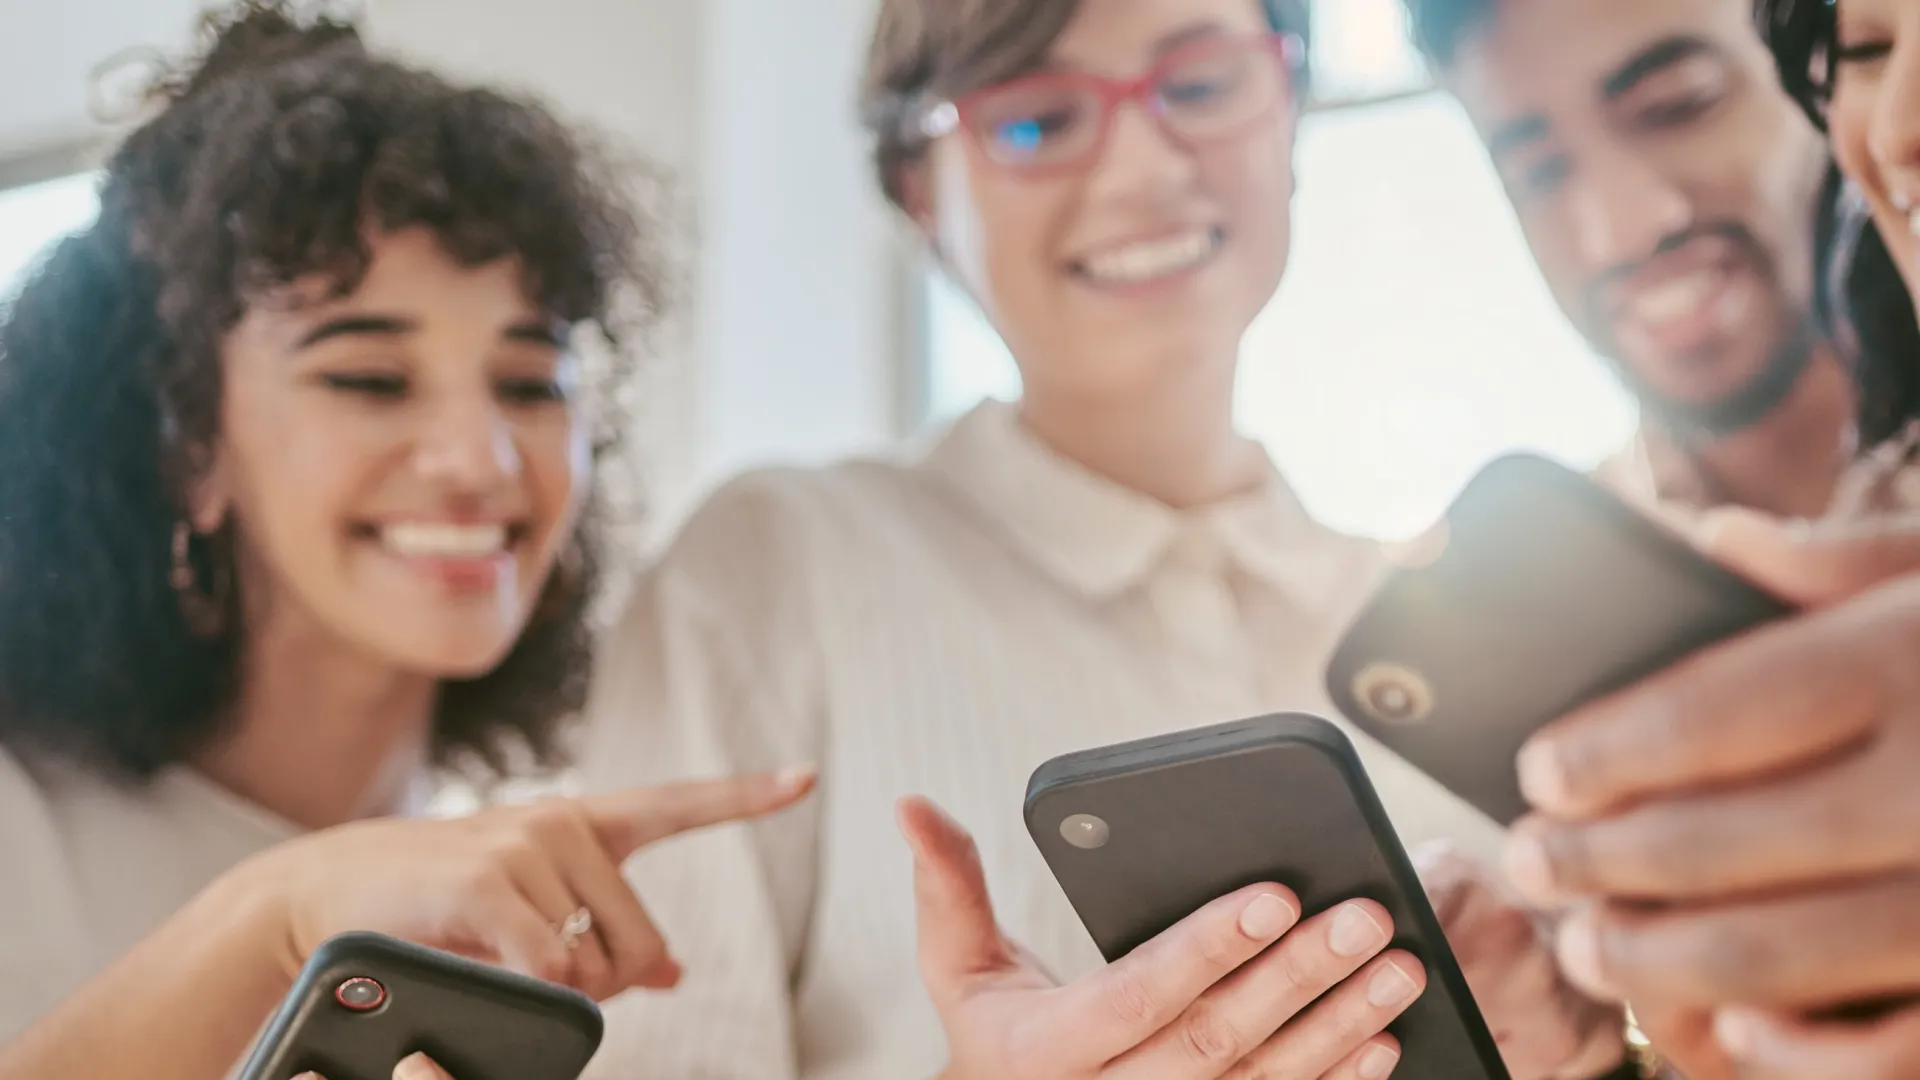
column 1545, row 591
column 364, row 1002
column 1143, row 834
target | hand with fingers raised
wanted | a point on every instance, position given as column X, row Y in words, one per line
column 1240, row 989
column 1738, row 836
column 537, row 888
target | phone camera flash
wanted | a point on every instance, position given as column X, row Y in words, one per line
column 1085, row 831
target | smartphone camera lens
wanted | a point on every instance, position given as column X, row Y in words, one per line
column 1085, row 831
column 1393, row 694
column 360, row 994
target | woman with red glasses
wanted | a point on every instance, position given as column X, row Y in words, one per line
column 1105, row 559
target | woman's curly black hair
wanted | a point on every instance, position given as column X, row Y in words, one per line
column 1865, row 303
column 268, row 161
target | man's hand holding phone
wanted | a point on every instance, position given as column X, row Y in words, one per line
column 1235, row 990
column 1740, row 833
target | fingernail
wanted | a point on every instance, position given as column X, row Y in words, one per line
column 1431, row 854
column 1421, row 551
column 1378, row 1062
column 1267, row 917
column 1528, row 868
column 796, row 777
column 1542, row 779
column 1579, row 950
column 1739, row 1032
column 1708, row 533
column 1390, row 986
column 1356, row 932
column 417, row 1067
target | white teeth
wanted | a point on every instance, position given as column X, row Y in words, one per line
column 442, row 540
column 1913, row 223
column 1676, row 298
column 1136, row 263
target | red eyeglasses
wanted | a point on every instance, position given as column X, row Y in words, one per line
column 1058, row 121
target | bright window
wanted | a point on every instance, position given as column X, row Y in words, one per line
column 1413, row 340
column 35, row 216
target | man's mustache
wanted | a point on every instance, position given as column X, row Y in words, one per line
column 1735, row 235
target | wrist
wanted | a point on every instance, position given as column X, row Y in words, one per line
column 250, row 904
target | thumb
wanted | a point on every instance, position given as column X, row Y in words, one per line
column 419, row 1067
column 959, row 939
column 626, row 821
column 415, row 1067
column 1448, row 876
column 1811, row 564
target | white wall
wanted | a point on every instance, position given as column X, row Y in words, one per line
column 49, row 49
column 791, row 346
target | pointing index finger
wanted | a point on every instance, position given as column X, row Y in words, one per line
column 626, row 821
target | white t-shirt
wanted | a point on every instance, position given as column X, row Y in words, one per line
column 92, row 867
column 940, row 625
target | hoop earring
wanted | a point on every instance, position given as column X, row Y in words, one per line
column 205, row 610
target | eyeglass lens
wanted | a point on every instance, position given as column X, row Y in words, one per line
column 1056, row 119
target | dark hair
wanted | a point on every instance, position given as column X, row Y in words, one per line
column 264, row 164
column 924, row 51
column 1800, row 34
column 1865, row 301
column 1437, row 26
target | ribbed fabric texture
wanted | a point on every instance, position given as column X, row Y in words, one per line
column 937, row 625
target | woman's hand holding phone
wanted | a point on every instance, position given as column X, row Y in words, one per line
column 1761, row 795
column 1225, row 993
column 1545, row 1028
column 536, row 889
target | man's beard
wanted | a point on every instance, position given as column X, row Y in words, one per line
column 1747, row 404
column 1743, row 407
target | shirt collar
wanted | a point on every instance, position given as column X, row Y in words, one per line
column 1101, row 538
column 1659, row 469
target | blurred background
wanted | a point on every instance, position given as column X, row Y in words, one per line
column 1412, row 342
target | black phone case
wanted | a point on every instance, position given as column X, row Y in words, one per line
column 479, row 1022
column 1549, row 593
column 1197, row 815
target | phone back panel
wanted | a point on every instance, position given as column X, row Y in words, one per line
column 1548, row 593
column 479, row 1022
column 1194, row 816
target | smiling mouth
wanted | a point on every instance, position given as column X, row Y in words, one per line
column 1687, row 312
column 444, row 541
column 1152, row 260
column 1674, row 299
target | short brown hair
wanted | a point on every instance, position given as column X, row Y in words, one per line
column 929, row 50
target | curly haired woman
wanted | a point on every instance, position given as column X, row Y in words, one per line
column 295, row 506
